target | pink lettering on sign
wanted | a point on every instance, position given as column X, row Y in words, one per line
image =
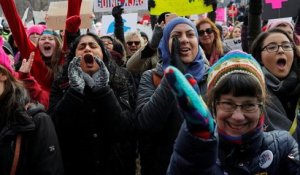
column 276, row 4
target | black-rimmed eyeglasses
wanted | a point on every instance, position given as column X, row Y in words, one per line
column 228, row 106
column 275, row 47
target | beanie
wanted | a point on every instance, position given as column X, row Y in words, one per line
column 4, row 59
column 235, row 62
column 38, row 29
column 276, row 23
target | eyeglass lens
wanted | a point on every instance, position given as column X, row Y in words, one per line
column 135, row 43
column 208, row 31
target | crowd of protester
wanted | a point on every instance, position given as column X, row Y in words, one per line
column 181, row 102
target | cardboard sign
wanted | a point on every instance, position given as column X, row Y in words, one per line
column 129, row 5
column 280, row 8
column 39, row 16
column 25, row 15
column 180, row 7
column 56, row 15
column 234, row 44
column 129, row 20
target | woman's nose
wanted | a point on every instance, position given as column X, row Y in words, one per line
column 238, row 114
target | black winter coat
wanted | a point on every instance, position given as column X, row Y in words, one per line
column 159, row 121
column 39, row 152
column 91, row 129
column 272, row 153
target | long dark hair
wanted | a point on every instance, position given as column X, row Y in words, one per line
column 257, row 46
column 72, row 53
column 13, row 99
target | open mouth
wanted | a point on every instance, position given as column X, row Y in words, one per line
column 88, row 59
column 47, row 48
column 184, row 51
column 281, row 63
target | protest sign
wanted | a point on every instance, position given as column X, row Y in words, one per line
column 39, row 16
column 280, row 8
column 129, row 20
column 56, row 15
column 129, row 5
column 180, row 7
column 233, row 44
column 221, row 15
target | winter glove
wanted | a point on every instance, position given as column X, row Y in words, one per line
column 156, row 36
column 151, row 4
column 99, row 79
column 75, row 74
column 73, row 23
column 198, row 118
column 175, row 56
column 255, row 7
column 117, row 11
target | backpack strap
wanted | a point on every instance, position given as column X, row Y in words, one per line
column 156, row 78
column 16, row 155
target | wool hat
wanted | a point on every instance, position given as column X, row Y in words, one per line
column 276, row 23
column 4, row 59
column 38, row 29
column 235, row 62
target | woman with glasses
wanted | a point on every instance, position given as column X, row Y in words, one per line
column 210, row 40
column 278, row 55
column 228, row 137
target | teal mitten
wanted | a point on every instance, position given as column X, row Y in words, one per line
column 198, row 118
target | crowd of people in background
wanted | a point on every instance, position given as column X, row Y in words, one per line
column 181, row 102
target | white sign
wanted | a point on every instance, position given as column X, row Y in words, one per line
column 129, row 20
column 128, row 5
column 39, row 16
column 233, row 44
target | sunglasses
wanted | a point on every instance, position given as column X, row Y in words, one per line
column 208, row 31
column 130, row 43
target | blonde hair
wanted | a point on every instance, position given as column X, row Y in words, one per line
column 217, row 43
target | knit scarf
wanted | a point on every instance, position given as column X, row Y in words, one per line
column 239, row 140
column 281, row 87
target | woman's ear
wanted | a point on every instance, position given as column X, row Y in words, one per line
column 3, row 77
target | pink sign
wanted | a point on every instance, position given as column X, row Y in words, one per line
column 276, row 4
column 221, row 14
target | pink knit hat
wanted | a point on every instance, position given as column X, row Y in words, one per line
column 36, row 29
column 276, row 23
column 4, row 59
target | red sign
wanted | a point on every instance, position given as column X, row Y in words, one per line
column 232, row 11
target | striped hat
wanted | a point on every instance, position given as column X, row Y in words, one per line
column 235, row 62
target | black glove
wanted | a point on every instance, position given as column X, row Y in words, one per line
column 75, row 75
column 175, row 56
column 151, row 4
column 117, row 11
column 156, row 36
